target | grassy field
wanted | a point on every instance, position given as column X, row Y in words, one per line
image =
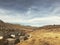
column 43, row 38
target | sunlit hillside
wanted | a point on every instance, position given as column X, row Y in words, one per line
column 27, row 35
column 44, row 36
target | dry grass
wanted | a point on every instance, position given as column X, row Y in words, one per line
column 43, row 38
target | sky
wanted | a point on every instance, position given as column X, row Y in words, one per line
column 30, row 12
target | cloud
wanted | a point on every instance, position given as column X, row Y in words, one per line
column 24, row 5
column 9, row 16
column 30, row 12
column 50, row 18
column 44, row 21
column 33, row 22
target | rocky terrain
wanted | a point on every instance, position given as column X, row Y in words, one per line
column 14, row 34
column 11, row 34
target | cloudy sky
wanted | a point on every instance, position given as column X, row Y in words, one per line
column 30, row 12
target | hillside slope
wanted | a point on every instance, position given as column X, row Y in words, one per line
column 8, row 26
column 46, row 35
column 13, row 32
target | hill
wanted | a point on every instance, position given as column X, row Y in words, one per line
column 10, row 32
column 8, row 26
column 46, row 35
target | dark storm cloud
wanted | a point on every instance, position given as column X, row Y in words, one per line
column 23, row 5
column 34, row 6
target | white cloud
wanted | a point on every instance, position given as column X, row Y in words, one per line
column 35, row 21
column 45, row 21
column 54, row 18
column 11, row 17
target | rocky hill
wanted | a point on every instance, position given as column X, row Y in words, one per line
column 15, row 34
column 8, row 26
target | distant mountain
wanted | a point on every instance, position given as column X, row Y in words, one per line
column 49, row 27
column 8, row 26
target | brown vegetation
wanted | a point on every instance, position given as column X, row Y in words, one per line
column 27, row 35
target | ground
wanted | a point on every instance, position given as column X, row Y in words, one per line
column 43, row 38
